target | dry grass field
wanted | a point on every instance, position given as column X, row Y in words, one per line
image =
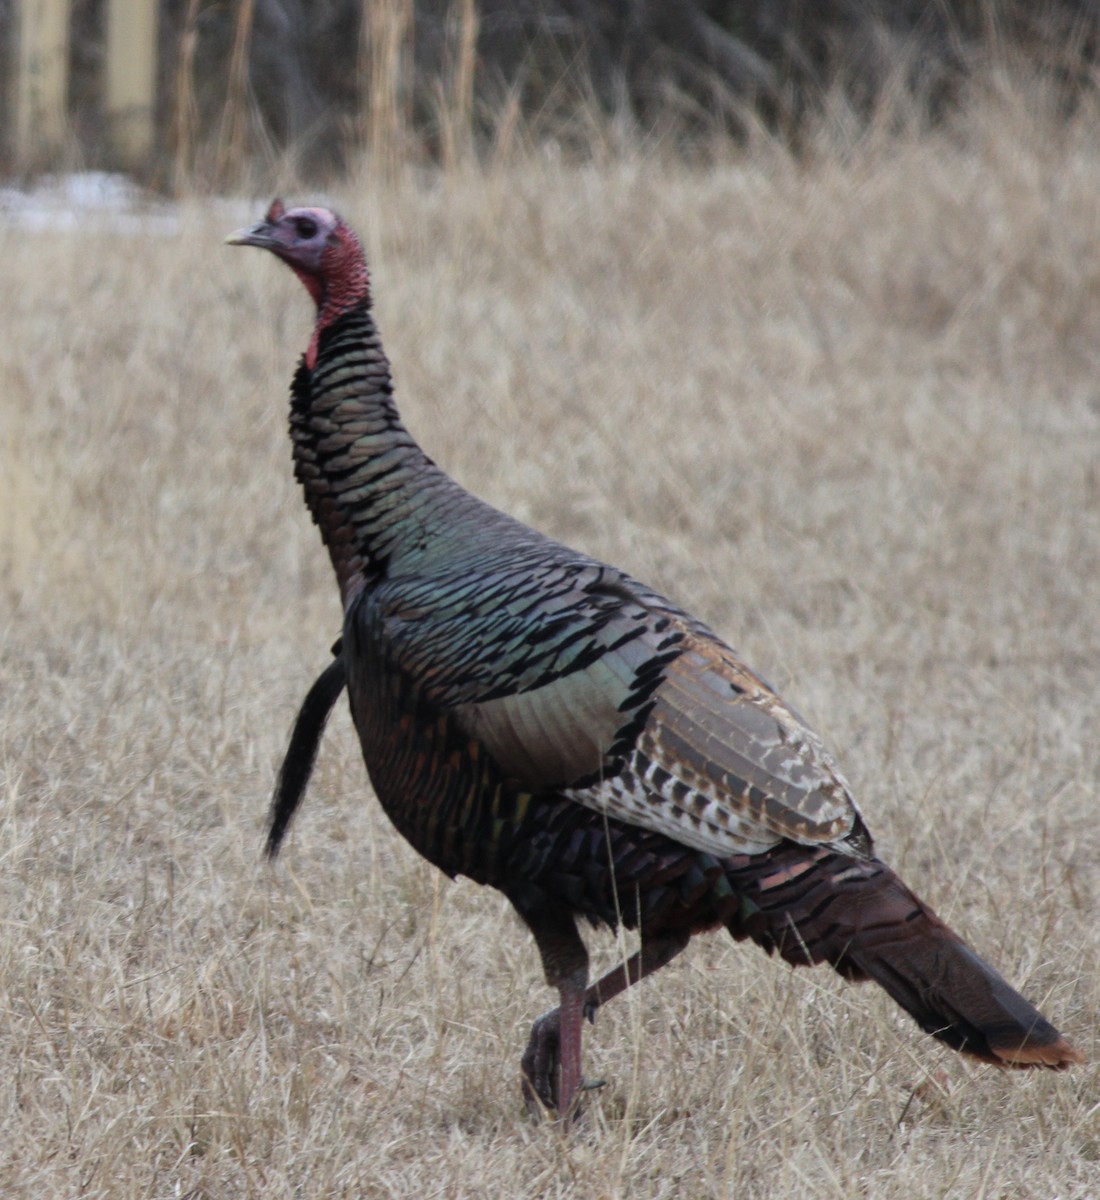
column 847, row 409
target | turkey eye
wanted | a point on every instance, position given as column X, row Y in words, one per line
column 306, row 227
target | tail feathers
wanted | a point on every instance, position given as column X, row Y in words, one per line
column 301, row 753
column 817, row 906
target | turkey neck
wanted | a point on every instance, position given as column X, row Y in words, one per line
column 360, row 468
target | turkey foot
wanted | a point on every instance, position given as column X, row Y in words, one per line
column 541, row 1066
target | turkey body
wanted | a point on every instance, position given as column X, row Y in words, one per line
column 502, row 685
column 544, row 724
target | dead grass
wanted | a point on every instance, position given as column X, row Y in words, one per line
column 845, row 410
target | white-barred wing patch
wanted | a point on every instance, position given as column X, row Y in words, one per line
column 722, row 765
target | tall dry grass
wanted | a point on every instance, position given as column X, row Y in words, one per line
column 846, row 409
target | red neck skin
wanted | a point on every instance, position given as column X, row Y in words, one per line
column 343, row 284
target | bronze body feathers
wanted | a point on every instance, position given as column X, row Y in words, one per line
column 543, row 723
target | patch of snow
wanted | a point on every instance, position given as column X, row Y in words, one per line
column 108, row 200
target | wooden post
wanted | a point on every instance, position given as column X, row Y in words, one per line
column 384, row 64
column 42, row 80
column 131, row 78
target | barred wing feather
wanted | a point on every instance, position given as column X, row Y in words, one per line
column 605, row 691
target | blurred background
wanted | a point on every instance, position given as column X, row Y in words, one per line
column 199, row 93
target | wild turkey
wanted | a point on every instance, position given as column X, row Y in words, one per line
column 541, row 722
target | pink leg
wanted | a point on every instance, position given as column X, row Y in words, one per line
column 651, row 956
column 555, row 1041
column 551, row 1065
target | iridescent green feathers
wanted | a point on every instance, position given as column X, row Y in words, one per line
column 543, row 723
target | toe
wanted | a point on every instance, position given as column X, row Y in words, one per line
column 540, row 1064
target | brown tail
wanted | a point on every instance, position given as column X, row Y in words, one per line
column 817, row 906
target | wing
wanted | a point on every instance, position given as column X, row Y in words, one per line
column 578, row 679
column 721, row 764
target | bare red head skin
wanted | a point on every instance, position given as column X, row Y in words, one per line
column 322, row 251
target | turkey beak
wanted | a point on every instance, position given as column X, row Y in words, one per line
column 252, row 235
